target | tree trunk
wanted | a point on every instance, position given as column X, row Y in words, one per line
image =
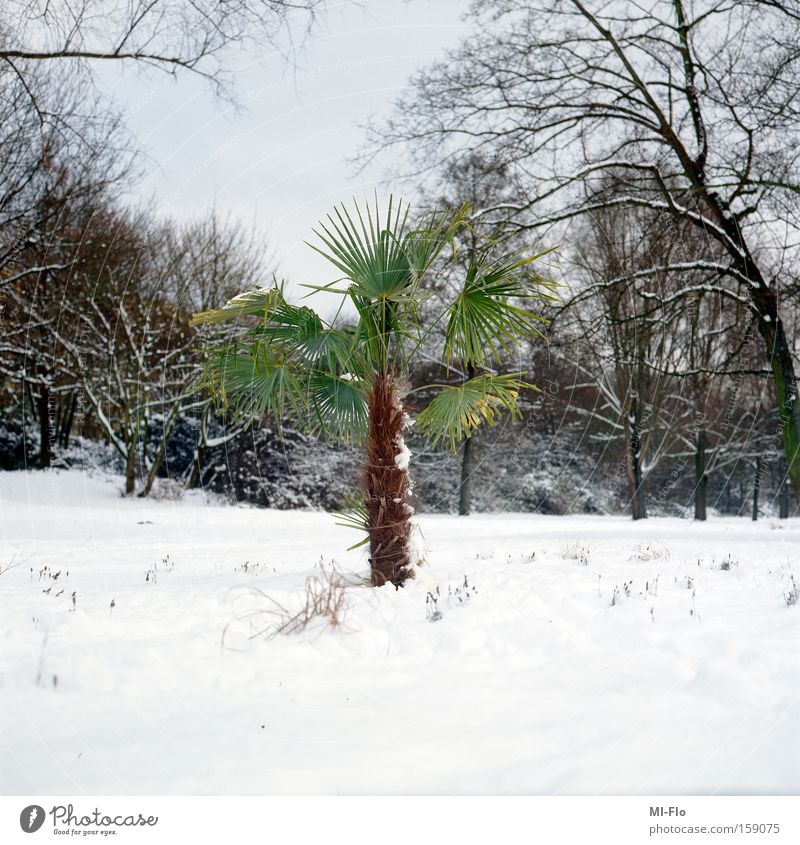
column 756, row 486
column 638, row 507
column 197, row 467
column 467, row 456
column 635, row 481
column 700, row 477
column 784, row 500
column 161, row 451
column 465, row 488
column 45, row 432
column 386, row 486
column 770, row 327
column 130, row 470
column 780, row 358
column 199, row 451
column 69, row 419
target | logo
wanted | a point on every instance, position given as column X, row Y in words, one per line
column 31, row 818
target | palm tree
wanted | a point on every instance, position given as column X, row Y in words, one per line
column 348, row 381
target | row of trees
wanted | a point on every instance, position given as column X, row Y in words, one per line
column 657, row 149
column 658, row 145
column 94, row 296
column 98, row 341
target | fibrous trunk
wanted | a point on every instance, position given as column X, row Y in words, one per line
column 386, row 486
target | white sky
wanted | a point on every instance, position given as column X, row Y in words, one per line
column 281, row 162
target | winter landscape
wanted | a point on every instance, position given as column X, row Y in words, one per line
column 569, row 655
column 399, row 399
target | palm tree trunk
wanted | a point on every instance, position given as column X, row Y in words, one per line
column 386, row 486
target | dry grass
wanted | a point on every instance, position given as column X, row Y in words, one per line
column 12, row 564
column 324, row 599
column 650, row 551
column 576, row 550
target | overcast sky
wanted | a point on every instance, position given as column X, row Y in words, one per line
column 281, row 161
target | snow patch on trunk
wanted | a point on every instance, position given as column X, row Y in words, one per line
column 403, row 457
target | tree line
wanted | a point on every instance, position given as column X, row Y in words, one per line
column 658, row 145
column 657, row 150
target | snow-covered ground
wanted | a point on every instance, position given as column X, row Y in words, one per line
column 586, row 655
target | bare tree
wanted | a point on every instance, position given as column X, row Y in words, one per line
column 43, row 238
column 621, row 343
column 171, row 35
column 209, row 261
column 695, row 105
column 105, row 336
column 50, row 107
column 58, row 149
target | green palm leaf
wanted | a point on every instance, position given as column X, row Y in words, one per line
column 258, row 302
column 354, row 515
column 370, row 253
column 458, row 410
column 254, row 380
column 338, row 405
column 484, row 319
column 302, row 332
column 424, row 245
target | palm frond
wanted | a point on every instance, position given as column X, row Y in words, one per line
column 354, row 515
column 484, row 319
column 254, row 380
column 338, row 405
column 423, row 245
column 295, row 363
column 458, row 410
column 302, row 332
column 368, row 249
column 258, row 302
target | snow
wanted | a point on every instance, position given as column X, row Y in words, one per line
column 403, row 457
column 529, row 681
